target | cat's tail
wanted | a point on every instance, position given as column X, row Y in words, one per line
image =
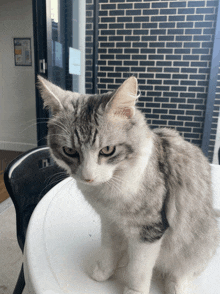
column 217, row 212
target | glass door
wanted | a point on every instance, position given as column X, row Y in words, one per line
column 66, row 43
column 59, row 33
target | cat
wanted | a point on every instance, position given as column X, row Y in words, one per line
column 151, row 188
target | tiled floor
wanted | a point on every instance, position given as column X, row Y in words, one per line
column 10, row 253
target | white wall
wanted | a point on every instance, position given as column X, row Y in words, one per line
column 17, row 84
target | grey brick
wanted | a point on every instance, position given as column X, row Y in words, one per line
column 164, row 63
column 197, row 89
column 162, row 88
column 196, row 3
column 173, row 57
column 184, row 24
column 177, row 18
column 175, row 31
column 157, row 44
column 181, row 63
column 205, row 10
column 125, row 6
column 178, row 88
column 171, row 69
column 182, row 51
column 166, row 25
column 193, row 31
column 175, row 123
column 150, row 11
column 149, row 25
column 156, row 57
column 192, row 45
column 159, row 5
column 141, row 5
column 174, row 44
column 180, row 76
column 178, row 4
column 199, row 64
column 140, row 32
column 203, row 24
column 183, row 38
column 149, row 38
column 186, row 11
column 167, row 11
column 202, row 38
column 188, row 83
column 124, row 19
column 108, row 6
column 207, row 44
column 141, row 19
column 158, row 32
column 194, row 17
column 166, row 38
column 190, row 57
column 165, row 51
column 133, row 12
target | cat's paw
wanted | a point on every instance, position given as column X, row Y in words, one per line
column 100, row 274
column 130, row 291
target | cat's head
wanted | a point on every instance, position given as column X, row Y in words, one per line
column 94, row 137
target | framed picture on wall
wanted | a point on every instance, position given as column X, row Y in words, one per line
column 22, row 52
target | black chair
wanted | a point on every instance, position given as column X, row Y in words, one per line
column 27, row 179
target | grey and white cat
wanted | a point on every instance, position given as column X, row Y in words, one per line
column 151, row 188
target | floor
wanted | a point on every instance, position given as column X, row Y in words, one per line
column 5, row 158
column 10, row 253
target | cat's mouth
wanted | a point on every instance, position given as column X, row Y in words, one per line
column 88, row 182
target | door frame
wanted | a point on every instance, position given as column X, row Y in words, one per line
column 213, row 79
column 40, row 53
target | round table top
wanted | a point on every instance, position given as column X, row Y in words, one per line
column 64, row 232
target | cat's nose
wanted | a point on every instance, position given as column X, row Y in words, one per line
column 88, row 180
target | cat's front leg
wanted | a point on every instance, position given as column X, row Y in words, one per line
column 142, row 258
column 112, row 247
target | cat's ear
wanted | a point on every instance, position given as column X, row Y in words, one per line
column 122, row 104
column 51, row 94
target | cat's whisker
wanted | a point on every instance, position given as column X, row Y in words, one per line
column 44, row 138
column 57, row 135
column 34, row 124
column 57, row 180
column 119, row 180
column 113, row 183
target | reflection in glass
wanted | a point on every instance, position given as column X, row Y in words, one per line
column 64, row 22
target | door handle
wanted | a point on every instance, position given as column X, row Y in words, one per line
column 42, row 66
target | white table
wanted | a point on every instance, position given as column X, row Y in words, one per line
column 62, row 235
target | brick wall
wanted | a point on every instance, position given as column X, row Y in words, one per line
column 167, row 45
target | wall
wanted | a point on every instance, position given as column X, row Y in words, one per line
column 167, row 45
column 17, row 88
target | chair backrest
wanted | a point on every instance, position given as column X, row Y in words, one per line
column 27, row 179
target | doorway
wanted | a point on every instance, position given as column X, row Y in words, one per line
column 59, row 33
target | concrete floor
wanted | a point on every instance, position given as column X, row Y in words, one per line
column 10, row 253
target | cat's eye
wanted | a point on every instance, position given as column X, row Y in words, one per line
column 107, row 151
column 70, row 152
